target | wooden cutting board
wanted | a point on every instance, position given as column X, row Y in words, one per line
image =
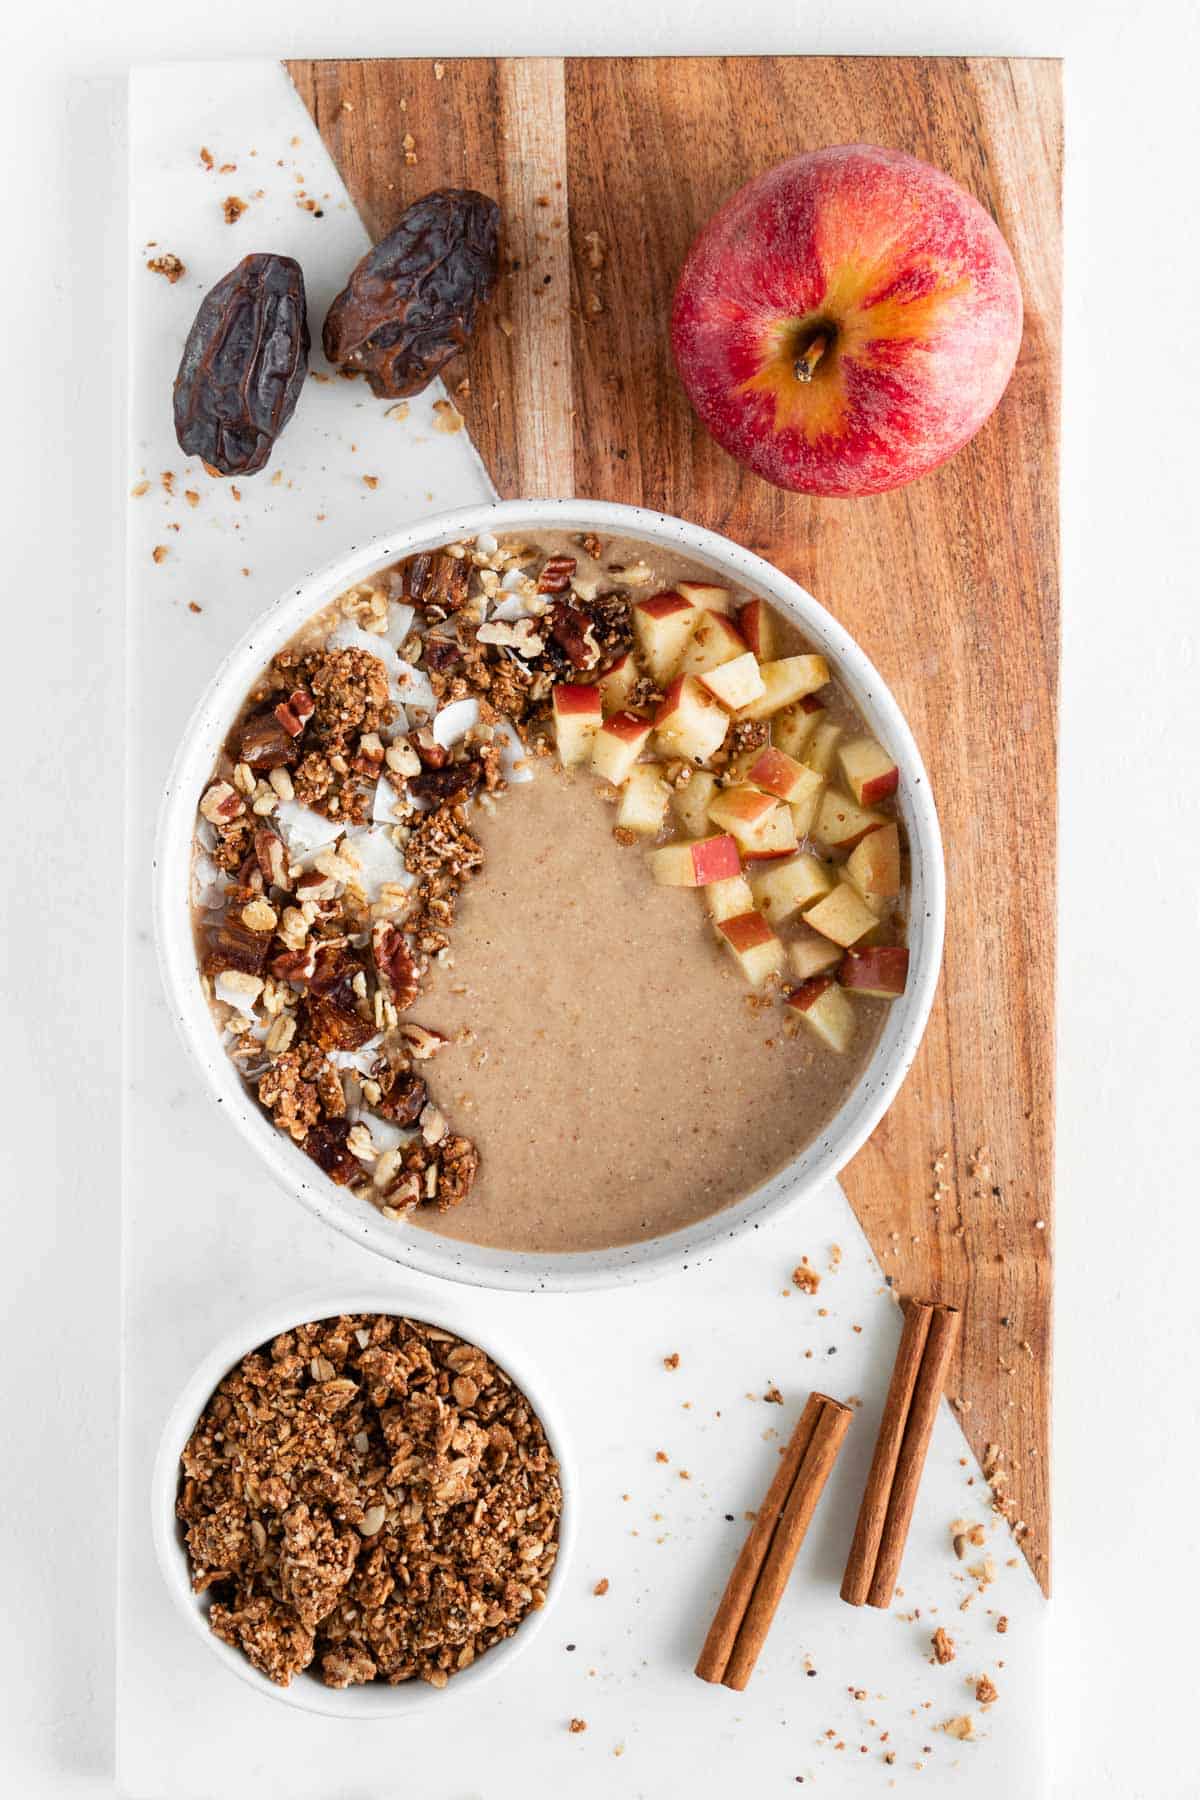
column 604, row 169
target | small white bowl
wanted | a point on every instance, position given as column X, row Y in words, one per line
column 445, row 1257
column 376, row 1699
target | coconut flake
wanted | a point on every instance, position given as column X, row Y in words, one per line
column 379, row 861
column 414, row 686
column 454, row 721
column 400, row 623
column 305, row 831
column 515, row 760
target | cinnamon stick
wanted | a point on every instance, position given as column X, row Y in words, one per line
column 918, row 1378
column 765, row 1559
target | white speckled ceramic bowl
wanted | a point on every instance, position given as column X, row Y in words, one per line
column 863, row 1108
column 371, row 1700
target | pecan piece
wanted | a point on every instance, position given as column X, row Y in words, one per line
column 295, row 712
column 271, row 856
column 394, row 964
column 459, row 1165
column 334, row 1020
column 432, row 754
column 556, row 574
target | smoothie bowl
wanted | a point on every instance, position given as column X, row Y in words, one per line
column 550, row 892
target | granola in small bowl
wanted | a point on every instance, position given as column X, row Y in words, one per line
column 366, row 1501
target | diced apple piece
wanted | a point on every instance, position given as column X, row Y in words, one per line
column 822, row 747
column 810, row 954
column 842, row 915
column 804, row 812
column 840, row 823
column 757, row 625
column 779, row 774
column 662, row 626
column 735, row 683
column 874, row 865
column 691, row 802
column 754, row 946
column 826, row 1011
column 726, row 899
column 689, row 722
column 881, row 970
column 707, row 598
column 577, row 717
column 695, row 864
column 786, row 682
column 785, row 888
column 775, row 837
column 617, row 684
column 618, row 744
column 874, row 903
column 716, row 640
column 792, row 729
column 870, row 773
column 741, row 810
column 644, row 800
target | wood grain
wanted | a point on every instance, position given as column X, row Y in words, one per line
column 605, row 169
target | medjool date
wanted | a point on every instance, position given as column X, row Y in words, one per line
column 410, row 304
column 243, row 365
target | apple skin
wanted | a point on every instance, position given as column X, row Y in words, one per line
column 919, row 288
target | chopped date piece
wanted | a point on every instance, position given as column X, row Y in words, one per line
column 234, row 946
column 395, row 965
column 571, row 630
column 556, row 574
column 411, row 303
column 441, row 654
column 438, row 582
column 326, row 1144
column 449, row 786
column 244, row 365
column 263, row 743
column 332, row 1011
column 404, row 1100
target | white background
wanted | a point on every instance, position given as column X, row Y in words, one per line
column 1128, row 1232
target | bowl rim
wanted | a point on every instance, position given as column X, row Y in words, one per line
column 449, row 1310
column 458, row 1260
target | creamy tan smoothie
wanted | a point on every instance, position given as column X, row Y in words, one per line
column 618, row 1079
column 549, row 894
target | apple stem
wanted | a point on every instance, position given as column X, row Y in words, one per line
column 806, row 363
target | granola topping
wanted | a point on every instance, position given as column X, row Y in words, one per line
column 370, row 1499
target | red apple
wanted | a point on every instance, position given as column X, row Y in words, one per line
column 847, row 321
column 882, row 970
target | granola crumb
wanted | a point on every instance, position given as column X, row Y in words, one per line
column 986, row 1691
column 805, row 1277
column 577, row 1725
column 159, row 553
column 943, row 1645
column 601, row 1586
column 168, row 266
column 233, row 208
column 672, row 1361
column 962, row 1728
column 370, row 1497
